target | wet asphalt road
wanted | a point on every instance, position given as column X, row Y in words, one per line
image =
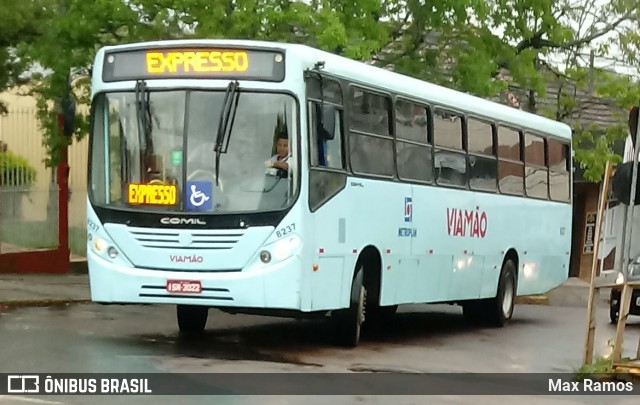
column 139, row 339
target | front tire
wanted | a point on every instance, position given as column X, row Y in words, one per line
column 192, row 319
column 349, row 321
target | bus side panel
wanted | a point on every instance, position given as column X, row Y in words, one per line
column 378, row 220
column 327, row 247
column 451, row 247
column 539, row 232
column 366, row 213
column 436, row 252
column 432, row 279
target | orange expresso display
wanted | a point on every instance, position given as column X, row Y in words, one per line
column 152, row 194
column 196, row 61
column 199, row 63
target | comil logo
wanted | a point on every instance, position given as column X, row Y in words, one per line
column 23, row 384
column 182, row 221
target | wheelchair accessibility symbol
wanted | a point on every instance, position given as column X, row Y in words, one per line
column 200, row 194
column 198, row 197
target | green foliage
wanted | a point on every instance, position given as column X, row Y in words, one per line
column 594, row 157
column 15, row 170
column 462, row 44
column 595, row 143
column 17, row 24
column 601, row 366
column 71, row 32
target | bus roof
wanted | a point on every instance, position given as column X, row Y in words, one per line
column 381, row 78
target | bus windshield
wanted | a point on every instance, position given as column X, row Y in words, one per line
column 156, row 152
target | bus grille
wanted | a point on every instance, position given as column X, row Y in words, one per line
column 190, row 240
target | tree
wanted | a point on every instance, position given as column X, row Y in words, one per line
column 464, row 44
column 17, row 24
column 536, row 41
column 76, row 29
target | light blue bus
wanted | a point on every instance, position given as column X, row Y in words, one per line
column 277, row 179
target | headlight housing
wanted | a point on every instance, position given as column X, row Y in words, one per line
column 102, row 246
column 281, row 249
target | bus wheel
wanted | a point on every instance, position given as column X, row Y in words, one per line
column 192, row 319
column 349, row 321
column 500, row 308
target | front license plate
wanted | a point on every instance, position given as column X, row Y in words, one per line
column 184, row 286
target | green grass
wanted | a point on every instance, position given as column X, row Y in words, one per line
column 600, row 366
column 30, row 234
column 41, row 235
column 78, row 241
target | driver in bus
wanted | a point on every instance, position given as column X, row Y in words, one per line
column 279, row 160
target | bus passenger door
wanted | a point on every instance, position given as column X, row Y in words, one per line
column 328, row 203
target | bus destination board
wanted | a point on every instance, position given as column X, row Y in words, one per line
column 152, row 194
column 194, row 63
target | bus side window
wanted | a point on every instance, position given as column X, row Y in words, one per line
column 326, row 136
column 450, row 158
column 559, row 155
column 413, row 146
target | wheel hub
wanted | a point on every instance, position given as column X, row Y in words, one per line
column 507, row 299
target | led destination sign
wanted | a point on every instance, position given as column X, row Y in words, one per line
column 190, row 63
column 197, row 62
column 152, row 194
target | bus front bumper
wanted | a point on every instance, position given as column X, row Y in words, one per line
column 274, row 286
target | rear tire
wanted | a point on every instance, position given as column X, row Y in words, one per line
column 192, row 319
column 495, row 311
column 500, row 308
column 349, row 321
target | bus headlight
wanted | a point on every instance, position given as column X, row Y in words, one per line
column 100, row 245
column 620, row 278
column 104, row 248
column 286, row 247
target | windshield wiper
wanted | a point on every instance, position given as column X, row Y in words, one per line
column 144, row 116
column 225, row 124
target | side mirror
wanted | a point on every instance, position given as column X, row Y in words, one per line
column 68, row 116
column 326, row 122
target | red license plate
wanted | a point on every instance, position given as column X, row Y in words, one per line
column 184, row 286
